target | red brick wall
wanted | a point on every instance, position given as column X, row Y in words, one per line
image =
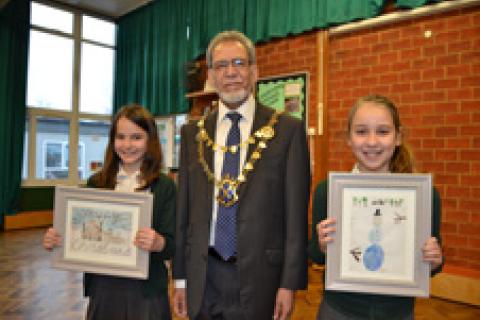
column 435, row 83
column 290, row 55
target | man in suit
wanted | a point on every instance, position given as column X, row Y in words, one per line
column 244, row 186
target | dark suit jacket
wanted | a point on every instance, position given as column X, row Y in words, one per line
column 271, row 217
column 163, row 222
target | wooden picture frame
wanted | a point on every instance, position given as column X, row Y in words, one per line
column 98, row 228
column 382, row 222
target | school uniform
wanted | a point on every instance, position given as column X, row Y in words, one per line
column 127, row 298
column 342, row 305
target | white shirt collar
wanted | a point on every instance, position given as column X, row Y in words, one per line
column 128, row 182
column 124, row 175
column 355, row 168
column 246, row 109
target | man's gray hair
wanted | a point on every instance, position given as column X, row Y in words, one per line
column 227, row 36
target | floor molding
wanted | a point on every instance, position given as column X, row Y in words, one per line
column 457, row 284
column 28, row 219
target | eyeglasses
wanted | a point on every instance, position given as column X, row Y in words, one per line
column 236, row 63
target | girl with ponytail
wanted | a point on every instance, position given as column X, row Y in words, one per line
column 375, row 138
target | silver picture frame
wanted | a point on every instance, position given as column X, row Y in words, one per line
column 382, row 222
column 98, row 227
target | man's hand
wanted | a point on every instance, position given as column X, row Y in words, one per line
column 284, row 304
column 180, row 302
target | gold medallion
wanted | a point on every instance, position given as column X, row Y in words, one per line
column 227, row 185
column 267, row 132
column 241, row 177
column 227, row 192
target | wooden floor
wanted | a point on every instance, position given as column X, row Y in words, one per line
column 31, row 290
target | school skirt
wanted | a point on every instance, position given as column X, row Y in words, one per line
column 123, row 299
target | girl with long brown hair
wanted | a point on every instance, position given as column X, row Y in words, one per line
column 132, row 164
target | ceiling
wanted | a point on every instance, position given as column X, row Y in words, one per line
column 110, row 8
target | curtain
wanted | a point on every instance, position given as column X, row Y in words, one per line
column 14, row 36
column 151, row 57
column 262, row 20
column 266, row 19
column 206, row 18
column 413, row 3
column 155, row 42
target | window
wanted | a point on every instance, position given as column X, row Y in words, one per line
column 50, row 71
column 55, row 155
column 51, row 18
column 93, row 134
column 69, row 94
column 96, row 87
column 51, row 134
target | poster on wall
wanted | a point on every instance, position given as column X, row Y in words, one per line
column 286, row 92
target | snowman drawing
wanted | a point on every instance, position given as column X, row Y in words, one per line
column 374, row 255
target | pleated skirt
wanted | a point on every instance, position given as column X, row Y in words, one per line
column 113, row 298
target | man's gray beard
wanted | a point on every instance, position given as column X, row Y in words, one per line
column 234, row 98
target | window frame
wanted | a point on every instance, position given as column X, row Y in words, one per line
column 74, row 116
column 63, row 157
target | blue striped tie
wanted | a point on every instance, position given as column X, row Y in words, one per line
column 225, row 232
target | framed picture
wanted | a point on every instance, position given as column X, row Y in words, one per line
column 98, row 229
column 383, row 220
column 285, row 93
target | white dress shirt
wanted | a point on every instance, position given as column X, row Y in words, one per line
column 127, row 182
column 247, row 110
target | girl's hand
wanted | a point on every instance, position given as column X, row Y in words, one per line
column 51, row 239
column 325, row 230
column 432, row 252
column 149, row 240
